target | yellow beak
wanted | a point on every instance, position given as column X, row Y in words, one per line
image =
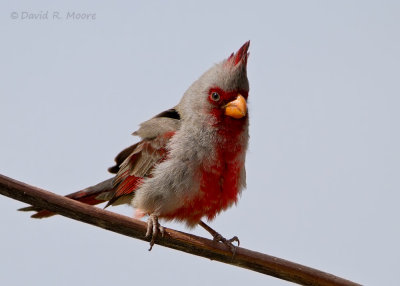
column 236, row 108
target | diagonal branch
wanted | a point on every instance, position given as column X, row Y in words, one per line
column 192, row 244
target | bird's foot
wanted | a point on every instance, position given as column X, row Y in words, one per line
column 228, row 242
column 153, row 229
column 219, row 238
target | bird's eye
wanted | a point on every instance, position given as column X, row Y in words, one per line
column 215, row 96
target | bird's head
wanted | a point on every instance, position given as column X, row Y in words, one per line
column 221, row 91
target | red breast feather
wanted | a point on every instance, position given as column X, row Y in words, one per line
column 221, row 178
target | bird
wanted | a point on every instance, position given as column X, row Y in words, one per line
column 189, row 163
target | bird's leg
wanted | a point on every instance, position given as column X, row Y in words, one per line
column 153, row 228
column 220, row 238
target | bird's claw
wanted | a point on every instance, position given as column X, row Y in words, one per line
column 219, row 238
column 153, row 229
column 228, row 242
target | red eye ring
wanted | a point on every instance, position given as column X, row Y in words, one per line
column 215, row 96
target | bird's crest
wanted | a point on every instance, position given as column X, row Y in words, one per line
column 240, row 56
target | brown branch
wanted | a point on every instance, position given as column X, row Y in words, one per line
column 196, row 245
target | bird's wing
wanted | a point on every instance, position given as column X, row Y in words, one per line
column 132, row 164
column 137, row 161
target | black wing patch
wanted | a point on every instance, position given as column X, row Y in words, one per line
column 170, row 113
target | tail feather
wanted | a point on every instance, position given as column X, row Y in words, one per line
column 29, row 209
column 92, row 195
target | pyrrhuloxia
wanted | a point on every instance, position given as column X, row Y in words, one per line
column 190, row 162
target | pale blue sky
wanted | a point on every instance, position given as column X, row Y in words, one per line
column 323, row 163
